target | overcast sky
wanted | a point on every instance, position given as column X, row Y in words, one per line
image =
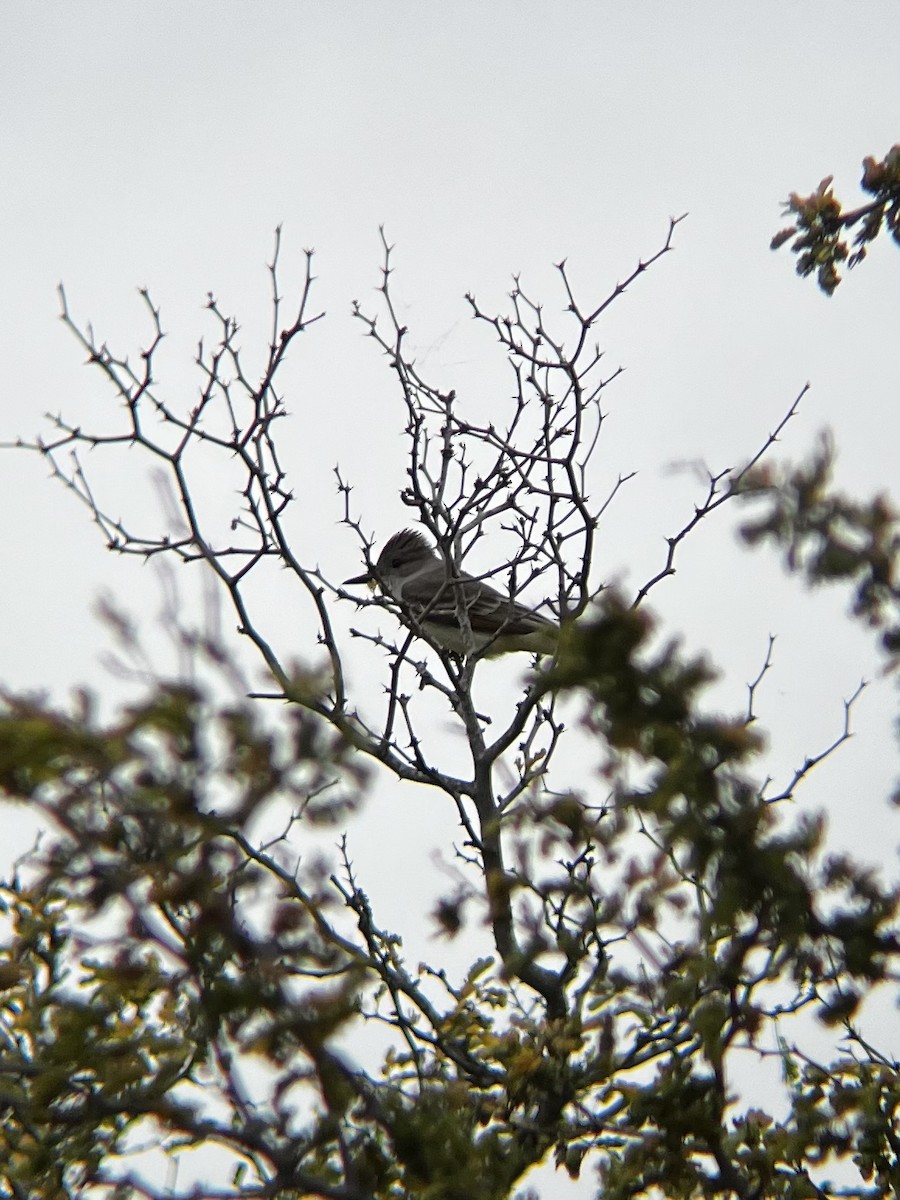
column 159, row 144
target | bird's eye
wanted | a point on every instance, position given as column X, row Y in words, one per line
column 395, row 562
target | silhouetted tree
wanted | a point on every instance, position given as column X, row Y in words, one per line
column 169, row 980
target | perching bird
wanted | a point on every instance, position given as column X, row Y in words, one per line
column 440, row 606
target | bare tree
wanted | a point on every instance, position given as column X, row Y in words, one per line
column 528, row 477
column 619, row 983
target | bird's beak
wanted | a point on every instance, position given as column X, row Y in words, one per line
column 366, row 577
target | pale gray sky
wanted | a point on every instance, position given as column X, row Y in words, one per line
column 158, row 145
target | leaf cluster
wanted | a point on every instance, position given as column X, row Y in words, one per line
column 828, row 537
column 820, row 222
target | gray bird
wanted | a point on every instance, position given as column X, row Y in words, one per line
column 460, row 614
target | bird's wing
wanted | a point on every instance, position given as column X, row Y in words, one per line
column 489, row 611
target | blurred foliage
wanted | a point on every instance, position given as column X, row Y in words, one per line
column 829, row 538
column 820, row 222
column 168, row 978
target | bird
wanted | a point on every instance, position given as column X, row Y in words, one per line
column 457, row 613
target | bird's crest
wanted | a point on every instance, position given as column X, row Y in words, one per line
column 408, row 543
